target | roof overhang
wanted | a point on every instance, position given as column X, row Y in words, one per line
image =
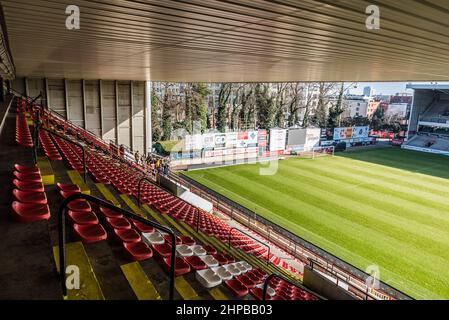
column 231, row 40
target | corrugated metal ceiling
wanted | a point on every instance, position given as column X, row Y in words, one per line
column 231, row 40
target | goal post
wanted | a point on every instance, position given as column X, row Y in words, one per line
column 323, row 151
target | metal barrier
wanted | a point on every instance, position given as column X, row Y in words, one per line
column 229, row 241
column 61, row 230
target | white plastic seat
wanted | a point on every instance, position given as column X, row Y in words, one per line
column 240, row 266
column 247, row 265
column 223, row 273
column 184, row 250
column 198, row 250
column 233, row 269
column 210, row 261
column 208, row 278
column 153, row 238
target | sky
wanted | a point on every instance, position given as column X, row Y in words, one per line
column 387, row 88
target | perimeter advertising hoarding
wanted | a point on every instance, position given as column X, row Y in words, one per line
column 278, row 139
column 313, row 136
column 208, row 141
column 194, row 142
column 229, row 152
column 247, row 139
column 343, row 133
column 231, row 140
column 220, row 140
column 360, row 132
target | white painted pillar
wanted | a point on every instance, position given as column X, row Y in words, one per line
column 147, row 128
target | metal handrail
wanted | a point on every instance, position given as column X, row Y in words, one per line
column 61, row 229
column 40, row 127
column 275, row 275
column 234, row 228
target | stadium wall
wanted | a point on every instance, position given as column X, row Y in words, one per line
column 111, row 109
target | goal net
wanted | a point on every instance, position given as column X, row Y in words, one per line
column 317, row 152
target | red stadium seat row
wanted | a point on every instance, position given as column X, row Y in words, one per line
column 23, row 135
column 49, row 148
column 29, row 199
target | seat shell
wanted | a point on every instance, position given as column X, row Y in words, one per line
column 82, row 217
column 127, row 235
column 138, row 251
column 90, row 233
column 29, row 212
column 29, row 196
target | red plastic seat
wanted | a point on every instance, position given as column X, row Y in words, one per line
column 65, row 194
column 236, row 287
column 209, row 249
column 83, row 217
column 25, row 169
column 138, row 251
column 257, row 293
column 127, row 235
column 28, row 212
column 188, row 241
column 163, row 250
column 142, row 227
column 196, row 263
column 220, row 258
column 110, row 213
column 30, row 177
column 68, row 187
column 167, row 238
column 29, row 196
column 89, row 233
column 246, row 281
column 119, row 223
column 181, row 266
column 79, row 205
column 28, row 186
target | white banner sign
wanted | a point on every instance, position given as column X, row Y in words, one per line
column 278, row 139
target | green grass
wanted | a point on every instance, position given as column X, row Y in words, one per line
column 385, row 207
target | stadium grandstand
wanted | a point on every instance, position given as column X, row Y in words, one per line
column 82, row 220
column 429, row 119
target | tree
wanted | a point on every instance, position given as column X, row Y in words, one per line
column 168, row 103
column 378, row 120
column 156, row 129
column 196, row 106
column 336, row 110
column 265, row 106
column 247, row 109
column 280, row 104
column 222, row 113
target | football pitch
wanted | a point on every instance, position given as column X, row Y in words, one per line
column 385, row 207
